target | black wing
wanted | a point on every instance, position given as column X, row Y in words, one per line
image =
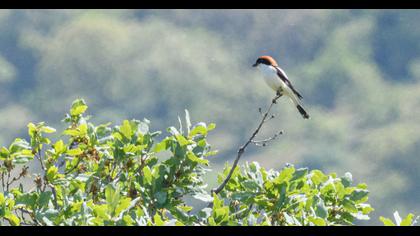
column 283, row 77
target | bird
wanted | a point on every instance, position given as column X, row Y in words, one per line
column 276, row 78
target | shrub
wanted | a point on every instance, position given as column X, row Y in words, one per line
column 124, row 175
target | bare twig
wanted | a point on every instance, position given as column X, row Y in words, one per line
column 54, row 192
column 2, row 181
column 265, row 141
column 7, row 182
column 38, row 155
column 23, row 173
column 242, row 148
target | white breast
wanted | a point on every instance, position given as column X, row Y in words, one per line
column 273, row 80
column 271, row 77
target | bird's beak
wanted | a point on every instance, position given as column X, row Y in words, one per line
column 255, row 65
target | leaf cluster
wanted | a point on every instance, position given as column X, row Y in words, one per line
column 127, row 175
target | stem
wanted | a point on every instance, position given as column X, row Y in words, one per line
column 74, row 167
column 242, row 148
column 54, row 194
column 7, row 182
column 2, row 181
column 22, row 174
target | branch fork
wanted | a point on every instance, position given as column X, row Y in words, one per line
column 241, row 150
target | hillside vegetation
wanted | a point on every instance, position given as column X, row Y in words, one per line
column 358, row 72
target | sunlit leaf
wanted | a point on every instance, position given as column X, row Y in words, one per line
column 74, row 152
column 386, row 221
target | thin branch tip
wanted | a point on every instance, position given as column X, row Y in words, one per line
column 263, row 143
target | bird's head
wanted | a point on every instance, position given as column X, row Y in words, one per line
column 266, row 60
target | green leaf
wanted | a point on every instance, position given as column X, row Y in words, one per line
column 299, row 173
column 242, row 196
column 112, row 197
column 101, row 211
column 349, row 205
column 185, row 208
column 317, row 221
column 347, row 179
column 198, row 130
column 321, row 210
column 173, row 130
column 122, row 205
column 250, row 185
column 71, row 132
column 158, row 220
column 128, row 220
column 386, row 221
column 59, row 147
column 366, row 208
column 2, row 199
column 19, row 144
column 78, row 107
column 408, row 220
column 74, row 152
column 83, row 129
column 358, row 195
column 147, row 174
column 211, row 221
column 13, row 220
column 211, row 126
column 31, row 129
column 126, row 129
column 217, row 202
column 78, row 110
column 194, row 158
column 51, row 173
column 27, row 199
column 161, row 146
column 44, row 198
column 45, row 140
column 19, row 160
column 285, row 175
column 221, row 214
column 181, row 140
column 131, row 148
column 161, row 197
column 47, row 129
column 4, row 153
column 117, row 136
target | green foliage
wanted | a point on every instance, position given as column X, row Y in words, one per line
column 102, row 175
column 124, row 175
column 292, row 196
column 409, row 220
column 344, row 62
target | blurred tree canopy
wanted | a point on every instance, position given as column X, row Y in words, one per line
column 358, row 71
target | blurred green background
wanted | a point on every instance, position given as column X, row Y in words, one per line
column 358, row 71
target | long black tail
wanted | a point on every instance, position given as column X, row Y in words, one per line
column 302, row 112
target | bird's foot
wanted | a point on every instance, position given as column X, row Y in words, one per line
column 278, row 95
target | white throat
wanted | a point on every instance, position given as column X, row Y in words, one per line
column 268, row 71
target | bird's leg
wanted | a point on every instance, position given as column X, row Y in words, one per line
column 279, row 94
